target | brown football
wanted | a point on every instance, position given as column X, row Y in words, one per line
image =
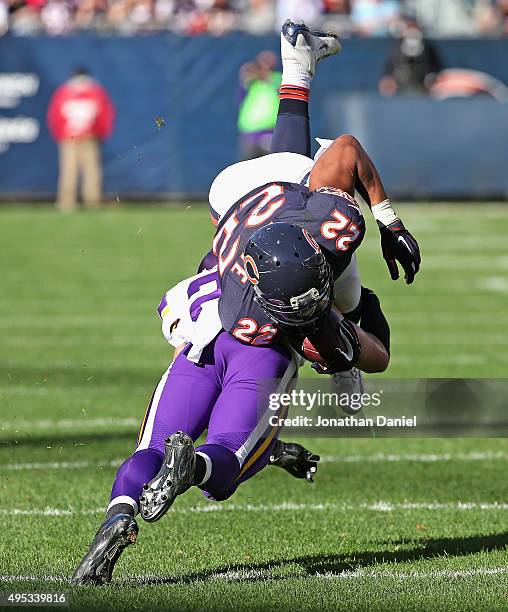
column 311, row 353
column 321, row 344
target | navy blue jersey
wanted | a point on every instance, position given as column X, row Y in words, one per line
column 331, row 217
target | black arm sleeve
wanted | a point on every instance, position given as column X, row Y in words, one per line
column 373, row 320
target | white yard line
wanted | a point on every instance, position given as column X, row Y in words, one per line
column 419, row 458
column 48, row 512
column 28, row 341
column 360, row 573
column 377, row 458
column 497, row 284
column 466, row 573
column 60, row 465
column 59, row 321
column 32, row 578
column 68, row 423
column 87, row 387
column 378, row 506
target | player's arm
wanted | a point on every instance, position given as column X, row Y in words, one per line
column 345, row 165
column 373, row 355
column 338, row 345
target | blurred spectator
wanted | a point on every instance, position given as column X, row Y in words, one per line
column 462, row 83
column 257, row 114
column 4, row 18
column 337, row 16
column 163, row 11
column 492, row 17
column 194, row 17
column 445, row 18
column 89, row 14
column 24, row 16
column 341, row 7
column 412, row 64
column 56, row 17
column 220, row 17
column 140, row 14
column 502, row 11
column 117, row 15
column 80, row 115
column 501, row 8
column 374, row 17
column 259, row 17
column 307, row 10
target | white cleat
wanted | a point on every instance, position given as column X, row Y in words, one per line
column 349, row 382
column 306, row 47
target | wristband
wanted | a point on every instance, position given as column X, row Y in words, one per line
column 384, row 213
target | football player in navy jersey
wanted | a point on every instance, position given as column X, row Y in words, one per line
column 318, row 196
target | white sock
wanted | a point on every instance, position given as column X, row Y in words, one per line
column 294, row 74
column 124, row 499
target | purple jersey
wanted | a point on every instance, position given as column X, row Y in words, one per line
column 329, row 215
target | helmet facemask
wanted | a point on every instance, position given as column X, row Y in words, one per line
column 302, row 311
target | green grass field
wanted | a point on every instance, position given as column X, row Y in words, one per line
column 389, row 524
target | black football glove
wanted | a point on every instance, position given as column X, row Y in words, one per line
column 398, row 245
column 295, row 459
column 342, row 360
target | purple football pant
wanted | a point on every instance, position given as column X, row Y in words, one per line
column 228, row 393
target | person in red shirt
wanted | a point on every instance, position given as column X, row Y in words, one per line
column 80, row 115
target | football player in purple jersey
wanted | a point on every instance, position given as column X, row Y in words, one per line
column 215, row 384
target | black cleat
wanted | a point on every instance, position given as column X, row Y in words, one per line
column 295, row 459
column 174, row 478
column 115, row 534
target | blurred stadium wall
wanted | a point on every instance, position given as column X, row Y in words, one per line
column 176, row 104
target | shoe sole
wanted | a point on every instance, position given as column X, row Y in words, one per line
column 300, row 28
column 162, row 482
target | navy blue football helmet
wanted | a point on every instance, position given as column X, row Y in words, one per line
column 292, row 280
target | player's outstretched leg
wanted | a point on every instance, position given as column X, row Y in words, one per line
column 301, row 49
column 115, row 534
column 175, row 476
column 120, row 528
column 175, row 404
